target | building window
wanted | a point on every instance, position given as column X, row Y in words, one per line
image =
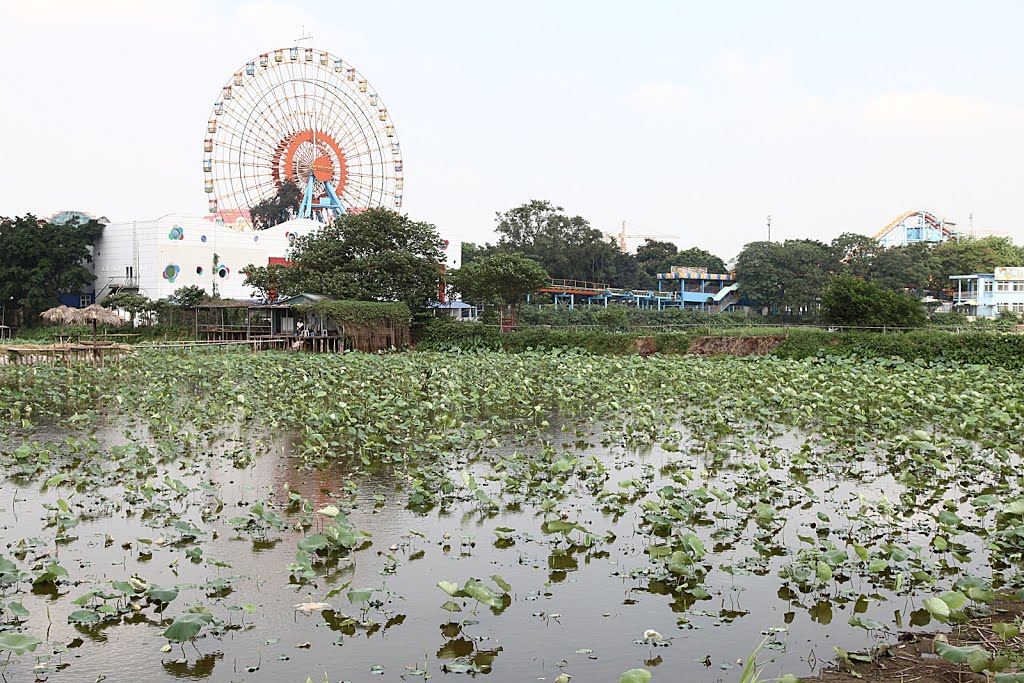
column 84, row 300
column 1018, row 308
column 1018, row 286
column 988, row 285
column 1002, row 286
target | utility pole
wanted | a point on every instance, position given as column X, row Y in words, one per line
column 769, row 227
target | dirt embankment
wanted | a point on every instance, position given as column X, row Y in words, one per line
column 912, row 659
column 736, row 346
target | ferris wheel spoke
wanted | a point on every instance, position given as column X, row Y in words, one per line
column 256, row 190
column 246, row 143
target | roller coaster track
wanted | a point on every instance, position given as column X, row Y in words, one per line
column 929, row 218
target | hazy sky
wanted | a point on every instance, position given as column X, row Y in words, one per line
column 689, row 119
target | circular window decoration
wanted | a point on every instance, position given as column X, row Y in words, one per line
column 255, row 238
column 171, row 272
column 203, row 238
column 199, row 270
column 176, row 233
column 223, row 272
column 290, row 236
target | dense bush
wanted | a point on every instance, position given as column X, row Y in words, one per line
column 851, row 301
column 617, row 316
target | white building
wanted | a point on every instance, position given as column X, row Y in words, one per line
column 156, row 257
column 986, row 295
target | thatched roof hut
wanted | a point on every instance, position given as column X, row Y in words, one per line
column 330, row 324
column 59, row 315
column 96, row 315
column 365, row 325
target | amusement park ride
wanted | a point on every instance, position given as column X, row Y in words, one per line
column 923, row 226
column 303, row 116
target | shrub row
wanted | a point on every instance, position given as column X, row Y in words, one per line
column 982, row 348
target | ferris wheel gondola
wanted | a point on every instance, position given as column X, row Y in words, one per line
column 307, row 117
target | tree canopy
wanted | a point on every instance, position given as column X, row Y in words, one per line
column 695, row 257
column 40, row 260
column 189, row 296
column 653, row 255
column 566, row 247
column 848, row 300
column 283, row 206
column 785, row 275
column 504, row 278
column 375, row 255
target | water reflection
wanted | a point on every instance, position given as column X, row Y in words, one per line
column 201, row 667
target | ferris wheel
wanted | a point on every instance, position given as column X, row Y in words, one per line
column 303, row 116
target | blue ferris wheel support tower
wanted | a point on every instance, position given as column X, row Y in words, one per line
column 329, row 207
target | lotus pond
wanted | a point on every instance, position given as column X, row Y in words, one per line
column 538, row 516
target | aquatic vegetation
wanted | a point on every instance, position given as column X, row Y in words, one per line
column 234, row 500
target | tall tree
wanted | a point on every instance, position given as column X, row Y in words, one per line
column 697, row 258
column 505, row 278
column 133, row 304
column 786, row 275
column 376, row 255
column 968, row 255
column 855, row 252
column 189, row 296
column 906, row 267
column 760, row 273
column 652, row 255
column 567, row 247
column 40, row 260
column 283, row 206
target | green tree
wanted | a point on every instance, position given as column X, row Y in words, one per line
column 968, row 255
column 900, row 268
column 40, row 260
column 129, row 302
column 760, row 273
column 375, row 255
column 652, row 255
column 851, row 301
column 283, row 206
column 471, row 251
column 540, row 223
column 787, row 275
column 269, row 282
column 504, row 278
column 695, row 257
column 854, row 252
column 567, row 247
column 190, row 296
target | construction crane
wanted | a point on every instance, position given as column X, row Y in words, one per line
column 622, row 237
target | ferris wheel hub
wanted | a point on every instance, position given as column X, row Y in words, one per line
column 311, row 154
column 322, row 168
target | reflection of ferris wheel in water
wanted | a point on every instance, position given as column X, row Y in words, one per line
column 305, row 116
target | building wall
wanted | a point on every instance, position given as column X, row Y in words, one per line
column 162, row 255
column 1001, row 291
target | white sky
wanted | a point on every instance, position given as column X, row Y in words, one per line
column 689, row 119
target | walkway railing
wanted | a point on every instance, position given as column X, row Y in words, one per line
column 576, row 285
